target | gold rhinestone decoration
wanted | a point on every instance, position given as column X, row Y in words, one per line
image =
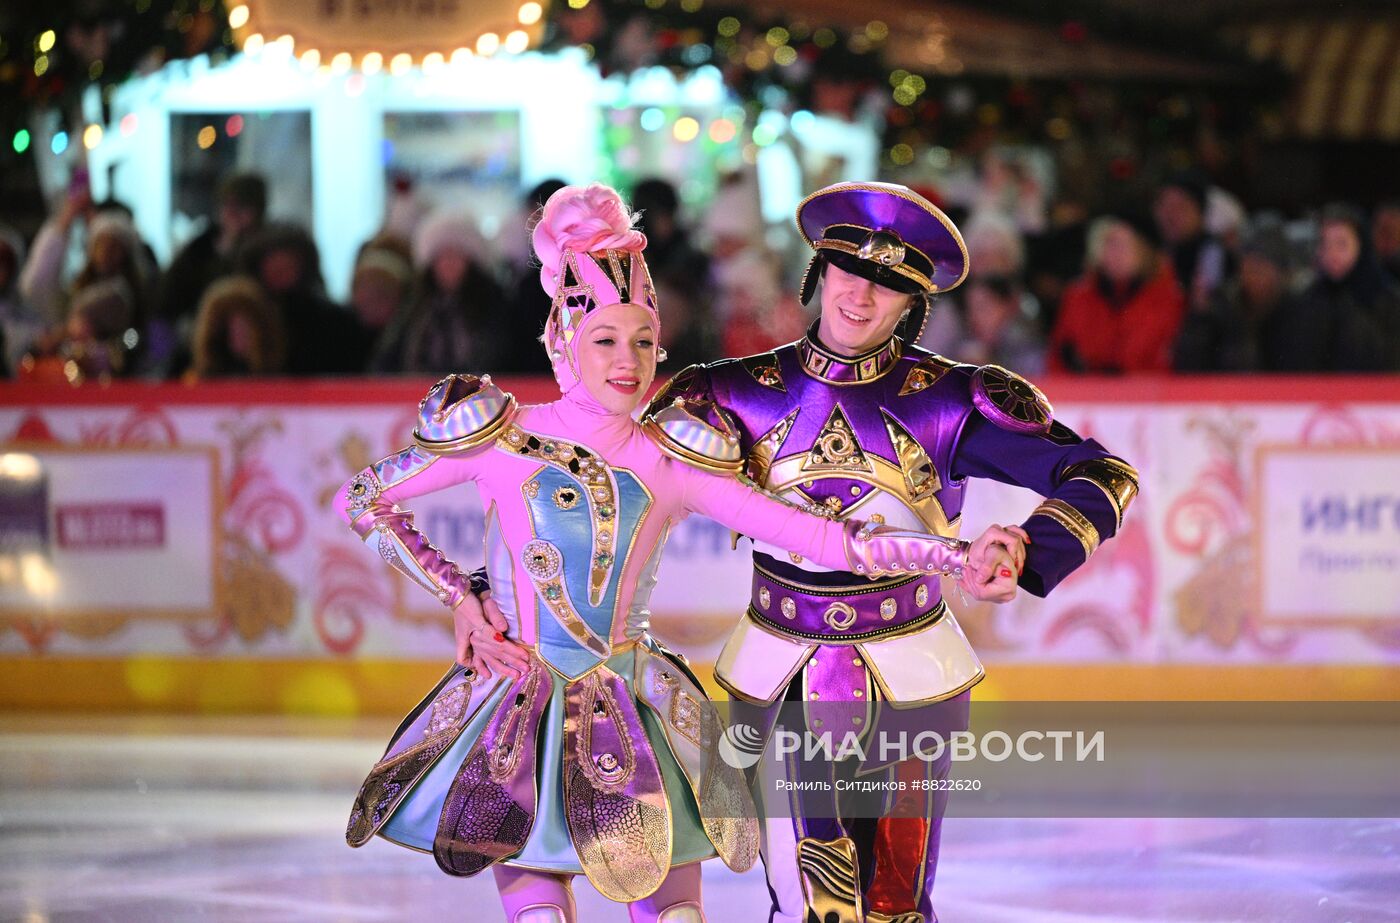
column 888, row 608
column 788, row 607
column 566, row 497
column 921, row 595
column 541, row 559
column 447, row 709
column 764, row 597
column 363, row 491
column 687, row 718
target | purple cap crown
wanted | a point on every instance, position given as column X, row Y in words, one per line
column 883, row 232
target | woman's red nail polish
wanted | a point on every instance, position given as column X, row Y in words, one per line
column 1006, row 572
column 498, row 636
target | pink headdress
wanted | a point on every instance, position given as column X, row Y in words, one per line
column 590, row 257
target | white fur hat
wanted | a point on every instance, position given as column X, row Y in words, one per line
column 444, row 229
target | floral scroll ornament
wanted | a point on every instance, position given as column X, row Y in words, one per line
column 262, row 522
column 1211, row 523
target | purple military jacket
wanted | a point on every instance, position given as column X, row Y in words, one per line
column 891, row 436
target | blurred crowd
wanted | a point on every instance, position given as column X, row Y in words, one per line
column 1191, row 283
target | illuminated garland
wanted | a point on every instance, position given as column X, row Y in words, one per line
column 50, row 53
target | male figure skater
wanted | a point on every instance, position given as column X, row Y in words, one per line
column 857, row 421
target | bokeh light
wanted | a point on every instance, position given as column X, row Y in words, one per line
column 685, row 129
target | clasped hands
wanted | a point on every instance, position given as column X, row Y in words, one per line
column 479, row 629
column 994, row 562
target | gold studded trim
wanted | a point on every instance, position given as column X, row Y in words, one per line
column 1115, row 477
column 864, row 588
column 790, row 472
column 835, row 369
column 918, row 623
column 598, row 488
column 1074, row 522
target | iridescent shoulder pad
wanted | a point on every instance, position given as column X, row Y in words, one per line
column 695, row 431
column 462, row 412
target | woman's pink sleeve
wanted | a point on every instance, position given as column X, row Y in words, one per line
column 746, row 509
column 369, row 504
column 403, row 476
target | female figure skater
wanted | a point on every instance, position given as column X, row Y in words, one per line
column 599, row 756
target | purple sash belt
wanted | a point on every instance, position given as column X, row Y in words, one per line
column 844, row 614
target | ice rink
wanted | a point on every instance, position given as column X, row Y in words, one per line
column 130, row 819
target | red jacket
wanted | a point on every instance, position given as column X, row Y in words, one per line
column 1093, row 334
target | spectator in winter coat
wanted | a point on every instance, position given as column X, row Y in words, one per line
column 1124, row 313
column 237, row 332
column 322, row 336
column 1199, row 260
column 454, row 323
column 210, row 256
column 20, row 325
column 1348, row 319
column 1245, row 326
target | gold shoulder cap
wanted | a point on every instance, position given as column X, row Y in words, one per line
column 695, row 432
column 462, row 412
column 1010, row 401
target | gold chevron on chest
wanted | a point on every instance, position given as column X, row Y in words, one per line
column 764, row 370
column 925, row 374
column 761, row 456
column 919, row 474
column 836, row 448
